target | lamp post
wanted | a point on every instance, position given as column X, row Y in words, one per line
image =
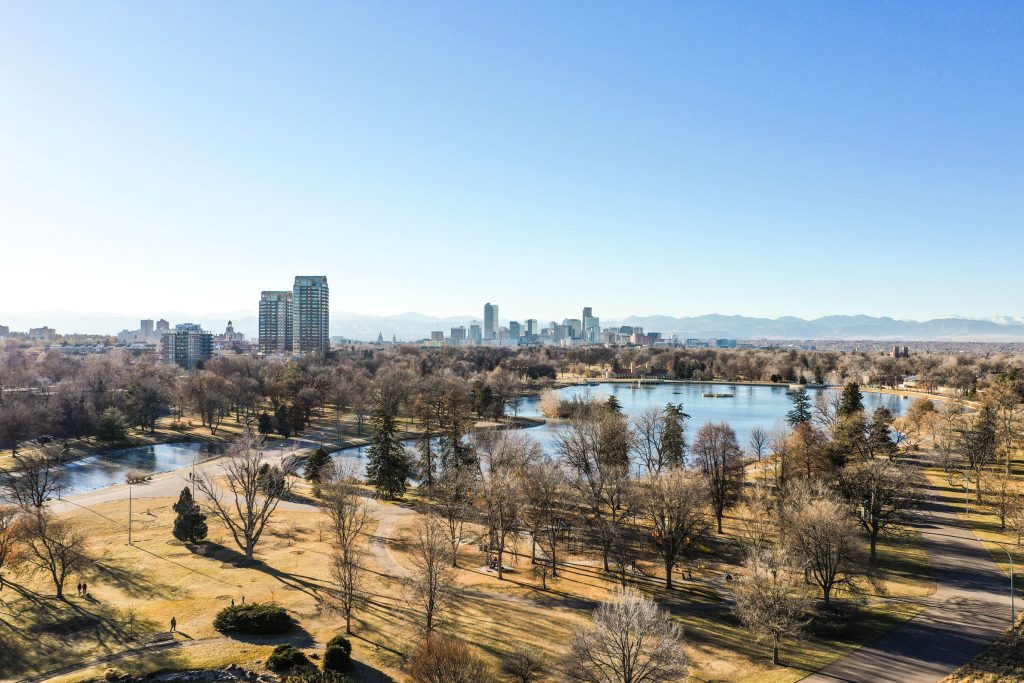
column 1013, row 610
column 132, row 478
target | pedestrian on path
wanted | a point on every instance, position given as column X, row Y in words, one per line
column 174, row 624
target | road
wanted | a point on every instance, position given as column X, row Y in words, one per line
column 968, row 611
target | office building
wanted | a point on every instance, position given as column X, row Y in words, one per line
column 5, row 331
column 490, row 321
column 310, row 315
column 458, row 335
column 275, row 322
column 162, row 327
column 146, row 328
column 44, row 333
column 437, row 336
column 532, row 329
column 187, row 345
column 514, row 330
column 475, row 333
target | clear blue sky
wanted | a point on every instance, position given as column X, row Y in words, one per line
column 800, row 158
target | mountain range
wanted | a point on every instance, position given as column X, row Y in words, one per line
column 412, row 326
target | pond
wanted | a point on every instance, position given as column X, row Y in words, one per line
column 109, row 467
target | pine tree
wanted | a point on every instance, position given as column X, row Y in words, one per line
column 801, row 412
column 266, row 425
column 851, row 402
column 613, row 405
column 673, row 436
column 387, row 467
column 113, row 426
column 315, row 465
column 190, row 522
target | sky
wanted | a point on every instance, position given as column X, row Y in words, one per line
column 678, row 158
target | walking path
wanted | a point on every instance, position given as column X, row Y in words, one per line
column 969, row 610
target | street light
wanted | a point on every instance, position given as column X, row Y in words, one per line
column 132, row 478
column 1013, row 610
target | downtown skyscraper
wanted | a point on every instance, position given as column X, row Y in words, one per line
column 490, row 321
column 310, row 314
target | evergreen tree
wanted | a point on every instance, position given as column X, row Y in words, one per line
column 315, row 466
column 613, row 405
column 266, row 425
column 801, row 411
column 879, row 440
column 851, row 402
column 190, row 522
column 673, row 436
column 387, row 467
column 113, row 426
column 281, row 422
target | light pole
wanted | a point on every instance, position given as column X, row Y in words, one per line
column 1013, row 610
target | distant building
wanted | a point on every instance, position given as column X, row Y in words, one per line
column 897, row 352
column 514, row 330
column 531, row 327
column 44, row 333
column 275, row 335
column 5, row 331
column 146, row 327
column 187, row 345
column 310, row 315
column 725, row 343
column 575, row 327
column 437, row 336
column 490, row 321
column 475, row 333
column 458, row 335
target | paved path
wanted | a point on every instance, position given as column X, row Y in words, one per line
column 969, row 610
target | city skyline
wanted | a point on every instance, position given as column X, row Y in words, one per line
column 697, row 159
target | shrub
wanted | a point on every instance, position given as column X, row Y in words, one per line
column 286, row 657
column 338, row 655
column 254, row 618
column 440, row 659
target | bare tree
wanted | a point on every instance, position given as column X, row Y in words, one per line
column 524, row 665
column 501, row 496
column 821, row 535
column 650, row 429
column 11, row 532
column 18, row 422
column 884, row 495
column 256, row 488
column 720, row 459
column 55, row 548
column 37, row 479
column 1003, row 495
column 600, row 480
column 350, row 517
column 632, row 641
column 440, row 659
column 433, row 578
column 769, row 597
column 674, row 502
column 544, row 484
column 453, row 493
column 758, row 441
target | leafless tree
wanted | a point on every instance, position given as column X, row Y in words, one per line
column 37, row 478
column 884, row 496
column 254, row 490
column 441, row 659
column 632, row 641
column 18, row 422
column 673, row 502
column 524, row 665
column 758, row 517
column 821, row 535
column 350, row 516
column 720, row 459
column 431, row 586
column 544, row 486
column 453, row 494
column 769, row 597
column 11, row 532
column 54, row 547
column 600, row 481
column 649, row 429
column 501, row 495
column 1003, row 495
column 758, row 441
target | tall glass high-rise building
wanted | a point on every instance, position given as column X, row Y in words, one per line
column 310, row 315
column 275, row 322
column 490, row 321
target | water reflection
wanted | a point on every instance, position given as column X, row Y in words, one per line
column 109, row 467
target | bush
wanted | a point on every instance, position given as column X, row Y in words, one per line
column 440, row 659
column 338, row 655
column 254, row 618
column 286, row 657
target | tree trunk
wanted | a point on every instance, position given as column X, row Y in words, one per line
column 874, row 544
column 826, row 594
column 668, row 574
column 501, row 575
column 775, row 652
column 718, row 517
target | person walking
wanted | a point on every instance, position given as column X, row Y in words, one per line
column 174, row 624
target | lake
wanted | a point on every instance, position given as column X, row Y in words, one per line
column 109, row 467
column 749, row 407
